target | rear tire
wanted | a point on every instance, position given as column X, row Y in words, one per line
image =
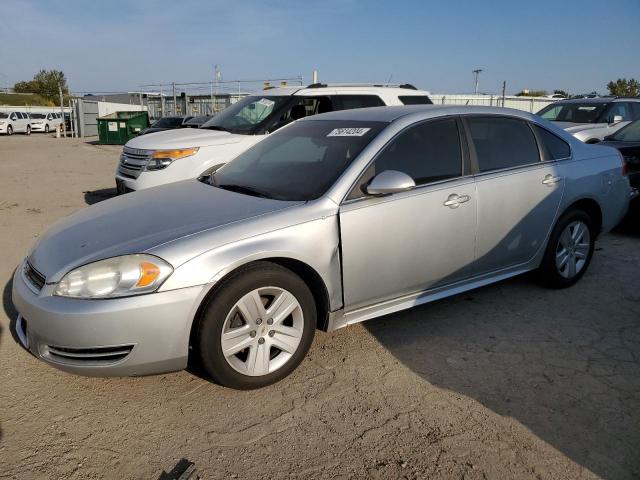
column 569, row 250
column 257, row 327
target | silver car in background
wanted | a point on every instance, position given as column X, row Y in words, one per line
column 332, row 220
column 592, row 119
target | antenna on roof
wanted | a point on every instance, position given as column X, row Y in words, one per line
column 389, row 81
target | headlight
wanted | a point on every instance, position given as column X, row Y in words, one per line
column 115, row 277
column 163, row 158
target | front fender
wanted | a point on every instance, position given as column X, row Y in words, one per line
column 314, row 243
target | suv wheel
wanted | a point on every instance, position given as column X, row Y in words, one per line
column 257, row 327
column 46, row 128
column 9, row 130
column 569, row 250
column 28, row 130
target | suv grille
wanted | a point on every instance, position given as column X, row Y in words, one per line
column 34, row 277
column 133, row 161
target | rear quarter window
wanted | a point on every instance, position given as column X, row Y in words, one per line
column 415, row 100
column 552, row 147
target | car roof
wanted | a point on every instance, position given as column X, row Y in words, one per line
column 389, row 114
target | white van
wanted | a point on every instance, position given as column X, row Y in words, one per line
column 15, row 122
column 174, row 155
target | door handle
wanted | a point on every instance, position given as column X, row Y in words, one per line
column 454, row 200
column 550, row 180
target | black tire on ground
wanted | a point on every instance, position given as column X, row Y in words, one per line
column 28, row 130
column 548, row 272
column 9, row 130
column 208, row 340
column 46, row 128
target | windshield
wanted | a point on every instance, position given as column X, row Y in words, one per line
column 246, row 116
column 38, row 115
column 168, row 122
column 630, row 133
column 297, row 163
column 4, row 115
column 574, row 112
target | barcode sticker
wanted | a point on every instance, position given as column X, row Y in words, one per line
column 348, row 132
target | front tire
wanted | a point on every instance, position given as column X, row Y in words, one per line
column 46, row 128
column 257, row 327
column 9, row 130
column 28, row 130
column 569, row 250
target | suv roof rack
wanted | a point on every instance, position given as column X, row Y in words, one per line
column 325, row 85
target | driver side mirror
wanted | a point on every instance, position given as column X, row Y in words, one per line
column 616, row 119
column 388, row 182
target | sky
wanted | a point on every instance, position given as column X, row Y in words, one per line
column 118, row 45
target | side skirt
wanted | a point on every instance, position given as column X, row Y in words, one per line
column 340, row 318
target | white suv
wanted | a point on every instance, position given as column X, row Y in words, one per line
column 174, row 155
column 14, row 122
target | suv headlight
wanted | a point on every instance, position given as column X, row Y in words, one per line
column 115, row 277
column 163, row 158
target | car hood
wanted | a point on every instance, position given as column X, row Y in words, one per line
column 578, row 127
column 139, row 221
column 183, row 138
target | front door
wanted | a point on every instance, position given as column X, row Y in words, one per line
column 411, row 241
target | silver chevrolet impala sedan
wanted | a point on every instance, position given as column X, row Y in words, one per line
column 330, row 221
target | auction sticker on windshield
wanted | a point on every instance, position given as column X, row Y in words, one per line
column 348, row 132
column 265, row 102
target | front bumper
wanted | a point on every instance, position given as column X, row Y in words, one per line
column 37, row 127
column 139, row 335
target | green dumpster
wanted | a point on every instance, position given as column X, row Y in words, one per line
column 120, row 127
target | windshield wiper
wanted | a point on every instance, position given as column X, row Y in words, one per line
column 244, row 189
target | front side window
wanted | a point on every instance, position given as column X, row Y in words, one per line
column 298, row 163
column 619, row 109
column 502, row 143
column 249, row 115
column 428, row 152
column 587, row 112
column 415, row 100
column 552, row 146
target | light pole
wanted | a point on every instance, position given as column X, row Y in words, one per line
column 476, row 73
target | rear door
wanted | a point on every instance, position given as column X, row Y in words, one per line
column 518, row 189
column 410, row 241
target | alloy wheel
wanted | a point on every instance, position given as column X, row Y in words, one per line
column 573, row 247
column 262, row 331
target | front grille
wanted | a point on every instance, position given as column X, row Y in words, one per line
column 133, row 161
column 34, row 277
column 88, row 356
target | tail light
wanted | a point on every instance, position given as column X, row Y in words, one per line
column 623, row 170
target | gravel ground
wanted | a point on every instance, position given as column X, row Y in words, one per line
column 509, row 381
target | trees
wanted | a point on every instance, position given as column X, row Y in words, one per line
column 532, row 93
column 45, row 83
column 624, row 88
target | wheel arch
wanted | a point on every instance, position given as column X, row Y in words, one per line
column 307, row 273
column 591, row 207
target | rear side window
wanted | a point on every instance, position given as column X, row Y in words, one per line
column 428, row 152
column 415, row 100
column 348, row 102
column 635, row 110
column 502, row 142
column 552, row 146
